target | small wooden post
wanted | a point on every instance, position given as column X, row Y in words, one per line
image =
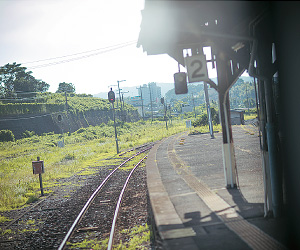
column 41, row 180
column 38, row 168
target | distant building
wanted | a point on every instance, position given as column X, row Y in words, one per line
column 237, row 117
column 187, row 108
column 135, row 101
column 155, row 93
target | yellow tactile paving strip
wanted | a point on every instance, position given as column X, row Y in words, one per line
column 250, row 234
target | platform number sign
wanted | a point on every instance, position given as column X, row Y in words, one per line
column 196, row 68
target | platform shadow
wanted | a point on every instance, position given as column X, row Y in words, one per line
column 244, row 208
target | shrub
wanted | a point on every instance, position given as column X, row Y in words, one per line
column 32, row 199
column 215, row 116
column 28, row 134
column 203, row 120
column 69, row 157
column 6, row 135
column 81, row 130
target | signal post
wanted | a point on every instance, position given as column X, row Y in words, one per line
column 112, row 99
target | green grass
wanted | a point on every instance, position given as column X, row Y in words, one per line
column 84, row 150
column 249, row 116
column 89, row 244
column 205, row 129
column 4, row 219
column 139, row 236
column 7, row 231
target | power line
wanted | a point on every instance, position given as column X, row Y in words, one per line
column 53, row 58
column 108, row 49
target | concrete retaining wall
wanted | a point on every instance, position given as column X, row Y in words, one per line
column 61, row 121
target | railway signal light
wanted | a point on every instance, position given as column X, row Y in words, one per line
column 180, row 83
column 111, row 96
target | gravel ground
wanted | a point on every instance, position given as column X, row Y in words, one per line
column 46, row 224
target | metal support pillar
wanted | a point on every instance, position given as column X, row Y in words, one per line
column 264, row 153
column 224, row 83
column 276, row 184
column 229, row 161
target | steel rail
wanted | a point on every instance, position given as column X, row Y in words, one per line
column 24, row 213
column 90, row 200
column 112, row 231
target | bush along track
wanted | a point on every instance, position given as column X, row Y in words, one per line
column 45, row 225
column 67, row 170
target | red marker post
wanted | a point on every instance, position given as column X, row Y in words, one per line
column 38, row 168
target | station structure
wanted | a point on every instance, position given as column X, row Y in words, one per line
column 262, row 38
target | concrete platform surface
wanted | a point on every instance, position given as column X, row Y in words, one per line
column 191, row 206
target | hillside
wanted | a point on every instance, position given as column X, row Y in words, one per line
column 56, row 113
column 165, row 87
column 242, row 94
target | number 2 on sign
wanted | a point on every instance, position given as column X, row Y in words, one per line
column 197, row 72
column 196, row 68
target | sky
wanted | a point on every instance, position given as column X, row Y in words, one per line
column 90, row 43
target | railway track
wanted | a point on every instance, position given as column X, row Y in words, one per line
column 56, row 217
column 107, row 196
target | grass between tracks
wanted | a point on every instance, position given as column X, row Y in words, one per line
column 84, row 150
column 140, row 236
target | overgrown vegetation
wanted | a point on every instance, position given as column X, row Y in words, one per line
column 54, row 102
column 6, row 135
column 203, row 119
column 139, row 239
column 242, row 95
column 250, row 114
column 84, row 150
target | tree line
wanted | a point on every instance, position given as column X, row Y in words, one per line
column 242, row 95
column 16, row 79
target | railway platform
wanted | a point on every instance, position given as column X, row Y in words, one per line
column 191, row 206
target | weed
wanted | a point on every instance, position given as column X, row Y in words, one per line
column 7, row 231
column 3, row 219
column 82, row 152
column 32, row 199
column 138, row 237
column 30, row 222
column 89, row 244
column 69, row 157
column 28, row 230
column 250, row 116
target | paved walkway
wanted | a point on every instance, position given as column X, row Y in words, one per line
column 191, row 206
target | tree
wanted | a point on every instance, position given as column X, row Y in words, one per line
column 14, row 78
column 66, row 87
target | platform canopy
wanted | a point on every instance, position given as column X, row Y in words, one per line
column 170, row 26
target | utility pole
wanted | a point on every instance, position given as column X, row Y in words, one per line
column 170, row 121
column 124, row 92
column 194, row 104
column 120, row 92
column 141, row 95
column 247, row 98
column 211, row 130
column 151, row 102
column 123, row 111
column 165, row 106
column 164, row 103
